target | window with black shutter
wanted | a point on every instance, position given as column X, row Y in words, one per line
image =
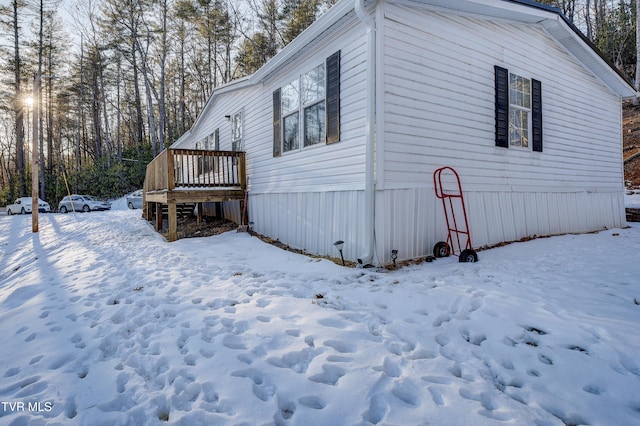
column 536, row 115
column 306, row 111
column 333, row 98
column 502, row 107
column 518, row 111
column 276, row 123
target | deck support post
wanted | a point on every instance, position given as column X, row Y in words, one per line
column 158, row 216
column 173, row 221
column 147, row 213
column 199, row 206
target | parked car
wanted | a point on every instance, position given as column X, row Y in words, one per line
column 23, row 205
column 134, row 200
column 83, row 203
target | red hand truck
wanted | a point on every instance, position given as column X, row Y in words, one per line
column 453, row 204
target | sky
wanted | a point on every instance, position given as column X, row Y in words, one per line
column 104, row 322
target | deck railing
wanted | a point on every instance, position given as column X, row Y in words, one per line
column 195, row 168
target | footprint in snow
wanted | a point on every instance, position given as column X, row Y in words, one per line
column 407, row 391
column 314, row 402
column 436, row 395
column 11, row 372
column 333, row 323
column 330, row 375
column 297, row 361
column 390, row 368
column 441, row 319
column 263, row 390
column 232, row 341
column 378, row 408
column 341, row 346
column 286, row 410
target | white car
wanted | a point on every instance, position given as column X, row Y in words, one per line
column 23, row 205
column 82, row 203
column 134, row 200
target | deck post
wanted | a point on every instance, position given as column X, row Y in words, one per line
column 173, row 221
column 158, row 216
column 199, row 206
column 171, row 171
column 146, row 211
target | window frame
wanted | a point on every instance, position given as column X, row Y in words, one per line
column 519, row 108
column 331, row 117
column 237, row 140
column 301, row 109
column 504, row 108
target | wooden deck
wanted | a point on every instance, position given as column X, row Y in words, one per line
column 179, row 176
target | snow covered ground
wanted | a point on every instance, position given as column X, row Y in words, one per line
column 104, row 323
column 632, row 199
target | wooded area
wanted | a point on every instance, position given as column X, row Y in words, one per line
column 130, row 76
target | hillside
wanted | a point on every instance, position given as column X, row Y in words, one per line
column 631, row 144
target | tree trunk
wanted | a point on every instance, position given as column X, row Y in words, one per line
column 39, row 100
column 103, row 93
column 637, row 76
column 80, row 102
column 18, row 106
column 161, row 102
column 136, row 87
column 148, row 90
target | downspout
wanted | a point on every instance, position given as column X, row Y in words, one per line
column 370, row 185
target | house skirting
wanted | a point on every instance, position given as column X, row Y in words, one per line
column 412, row 220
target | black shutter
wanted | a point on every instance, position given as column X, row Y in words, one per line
column 502, row 107
column 276, row 124
column 536, row 114
column 216, row 140
column 333, row 98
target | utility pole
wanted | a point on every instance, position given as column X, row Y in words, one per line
column 35, row 155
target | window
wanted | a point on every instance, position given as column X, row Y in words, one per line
column 236, row 132
column 518, row 110
column 303, row 97
column 313, row 105
column 290, row 116
column 216, row 139
column 306, row 111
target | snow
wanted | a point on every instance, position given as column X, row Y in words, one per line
column 105, row 323
column 632, row 199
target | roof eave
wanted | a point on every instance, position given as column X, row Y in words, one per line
column 588, row 54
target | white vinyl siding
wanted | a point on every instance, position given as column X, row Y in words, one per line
column 323, row 167
column 439, row 69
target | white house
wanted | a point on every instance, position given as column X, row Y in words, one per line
column 344, row 128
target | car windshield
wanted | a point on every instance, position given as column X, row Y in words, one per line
column 90, row 197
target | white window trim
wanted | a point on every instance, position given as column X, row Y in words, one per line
column 528, row 110
column 240, row 141
column 300, row 111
